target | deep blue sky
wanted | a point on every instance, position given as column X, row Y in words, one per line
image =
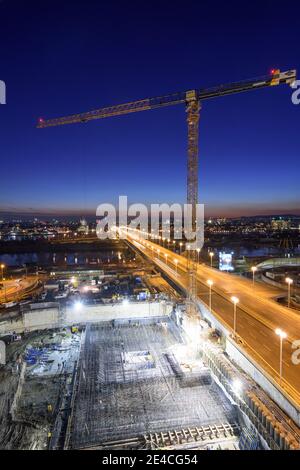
column 62, row 57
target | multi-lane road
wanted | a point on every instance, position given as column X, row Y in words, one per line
column 258, row 314
column 15, row 289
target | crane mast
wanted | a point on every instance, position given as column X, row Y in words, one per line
column 192, row 100
column 193, row 107
column 193, row 114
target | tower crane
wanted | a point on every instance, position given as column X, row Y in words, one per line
column 192, row 100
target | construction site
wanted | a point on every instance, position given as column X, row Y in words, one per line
column 133, row 383
column 129, row 373
column 121, row 384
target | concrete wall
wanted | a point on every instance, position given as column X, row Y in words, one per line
column 97, row 313
column 47, row 318
column 38, row 319
column 9, row 326
column 242, row 359
column 41, row 319
column 246, row 363
column 211, row 318
column 272, row 282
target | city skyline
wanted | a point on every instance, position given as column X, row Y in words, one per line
column 66, row 214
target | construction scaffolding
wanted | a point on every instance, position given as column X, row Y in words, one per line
column 130, row 384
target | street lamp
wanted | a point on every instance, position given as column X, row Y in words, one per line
column 289, row 282
column 210, row 284
column 211, row 254
column 253, row 269
column 282, row 335
column 166, row 256
column 180, row 246
column 235, row 301
column 2, row 269
column 158, row 251
column 198, row 252
column 5, row 298
column 176, row 263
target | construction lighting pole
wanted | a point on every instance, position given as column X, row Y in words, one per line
column 282, row 335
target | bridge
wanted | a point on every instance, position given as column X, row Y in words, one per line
column 257, row 314
column 278, row 263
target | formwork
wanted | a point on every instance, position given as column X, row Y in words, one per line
column 130, row 384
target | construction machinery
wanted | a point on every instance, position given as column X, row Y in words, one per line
column 192, row 100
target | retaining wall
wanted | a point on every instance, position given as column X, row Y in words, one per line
column 47, row 318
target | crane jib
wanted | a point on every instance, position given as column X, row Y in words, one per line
column 275, row 78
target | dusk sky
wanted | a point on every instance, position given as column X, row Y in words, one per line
column 64, row 57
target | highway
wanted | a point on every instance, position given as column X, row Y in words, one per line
column 15, row 290
column 258, row 315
